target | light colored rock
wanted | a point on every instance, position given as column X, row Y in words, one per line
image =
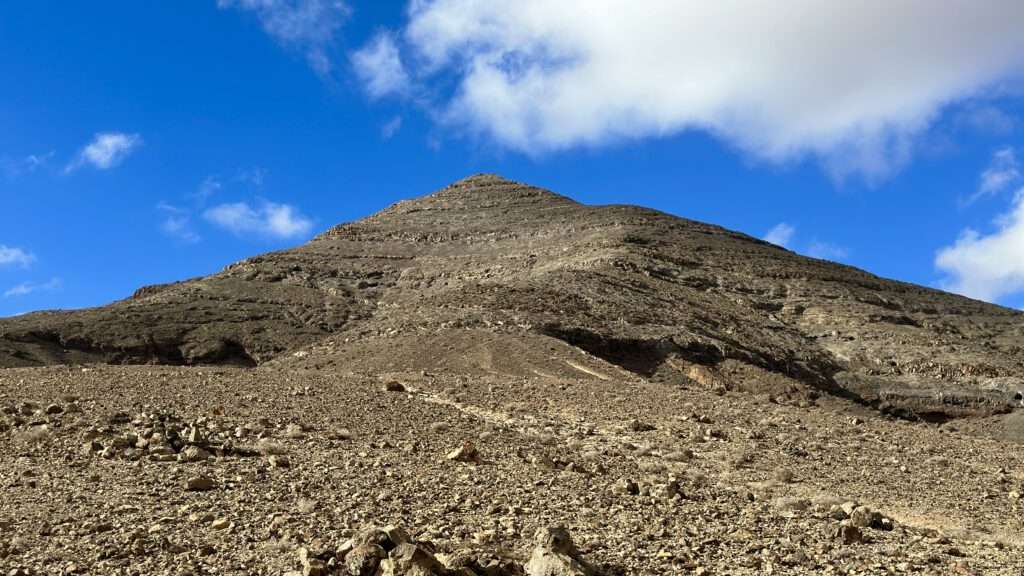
column 556, row 555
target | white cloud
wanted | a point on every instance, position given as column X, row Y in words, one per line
column 391, row 127
column 987, row 267
column 17, row 256
column 852, row 83
column 306, row 25
column 177, row 223
column 26, row 288
column 1002, row 172
column 107, row 150
column 826, row 251
column 987, row 119
column 379, row 66
column 267, row 219
column 780, row 234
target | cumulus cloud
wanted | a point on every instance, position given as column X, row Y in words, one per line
column 987, row 266
column 379, row 66
column 1002, row 172
column 107, row 150
column 15, row 256
column 26, row 288
column 780, row 234
column 305, row 25
column 266, row 219
column 852, row 83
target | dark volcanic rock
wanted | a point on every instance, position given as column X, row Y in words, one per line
column 487, row 262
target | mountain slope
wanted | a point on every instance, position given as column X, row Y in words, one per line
column 493, row 264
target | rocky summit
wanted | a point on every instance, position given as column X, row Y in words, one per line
column 494, row 379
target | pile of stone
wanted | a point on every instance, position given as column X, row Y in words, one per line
column 163, row 438
column 391, row 551
column 854, row 519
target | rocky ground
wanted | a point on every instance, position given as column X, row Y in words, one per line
column 168, row 470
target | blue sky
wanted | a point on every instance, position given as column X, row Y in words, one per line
column 147, row 142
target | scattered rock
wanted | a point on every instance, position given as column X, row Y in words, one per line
column 199, row 484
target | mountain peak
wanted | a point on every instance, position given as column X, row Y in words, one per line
column 484, row 190
column 472, row 200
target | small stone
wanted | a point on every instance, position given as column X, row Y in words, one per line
column 220, row 524
column 54, row 409
column 194, row 454
column 864, row 517
column 199, row 484
column 90, row 447
column 408, row 559
column 394, row 386
column 849, row 534
column 465, row 453
column 279, row 461
column 364, row 560
column 627, row 486
column 294, row 431
column 837, row 513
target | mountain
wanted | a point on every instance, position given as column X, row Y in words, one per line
column 490, row 275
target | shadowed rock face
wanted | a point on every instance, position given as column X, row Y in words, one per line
column 658, row 297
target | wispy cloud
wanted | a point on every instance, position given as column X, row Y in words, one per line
column 177, row 223
column 826, row 251
column 986, row 119
column 15, row 167
column 15, row 256
column 379, row 66
column 207, row 188
column 254, row 176
column 1002, row 172
column 391, row 127
column 780, row 234
column 26, row 288
column 305, row 25
column 266, row 219
column 106, row 150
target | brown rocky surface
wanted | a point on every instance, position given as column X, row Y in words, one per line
column 494, row 379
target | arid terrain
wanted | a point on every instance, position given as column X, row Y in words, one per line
column 462, row 382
